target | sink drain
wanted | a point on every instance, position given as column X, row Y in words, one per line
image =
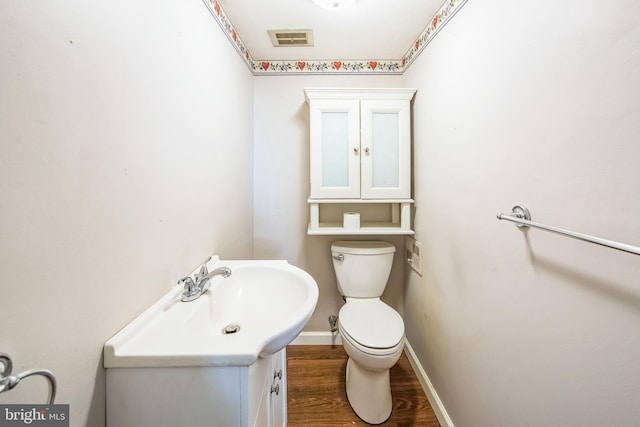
column 231, row 329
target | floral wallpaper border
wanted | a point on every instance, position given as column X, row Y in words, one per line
column 373, row 66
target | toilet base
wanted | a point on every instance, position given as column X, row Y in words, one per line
column 368, row 392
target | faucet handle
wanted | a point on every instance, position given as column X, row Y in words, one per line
column 191, row 291
column 201, row 275
column 203, row 271
column 188, row 283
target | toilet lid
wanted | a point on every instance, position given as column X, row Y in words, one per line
column 371, row 323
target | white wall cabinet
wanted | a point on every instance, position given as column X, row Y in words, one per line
column 360, row 150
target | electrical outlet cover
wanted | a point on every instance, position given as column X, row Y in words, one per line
column 413, row 254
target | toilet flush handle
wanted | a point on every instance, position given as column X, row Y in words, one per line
column 339, row 257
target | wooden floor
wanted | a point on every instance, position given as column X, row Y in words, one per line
column 316, row 394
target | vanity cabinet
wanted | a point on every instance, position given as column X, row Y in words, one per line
column 200, row 396
column 360, row 152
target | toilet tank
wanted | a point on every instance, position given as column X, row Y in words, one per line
column 362, row 267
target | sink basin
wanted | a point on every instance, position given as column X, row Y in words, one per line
column 256, row 311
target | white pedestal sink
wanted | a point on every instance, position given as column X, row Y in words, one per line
column 269, row 301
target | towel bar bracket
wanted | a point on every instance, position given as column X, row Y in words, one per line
column 521, row 212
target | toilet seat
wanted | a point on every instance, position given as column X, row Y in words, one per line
column 375, row 352
column 371, row 325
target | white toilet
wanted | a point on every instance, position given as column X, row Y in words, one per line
column 372, row 332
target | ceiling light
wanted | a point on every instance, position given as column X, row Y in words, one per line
column 334, row 4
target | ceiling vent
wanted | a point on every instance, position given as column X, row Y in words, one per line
column 290, row 38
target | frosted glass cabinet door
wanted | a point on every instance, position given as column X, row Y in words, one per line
column 335, row 149
column 386, row 151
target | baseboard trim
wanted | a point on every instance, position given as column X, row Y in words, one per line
column 432, row 395
column 317, row 338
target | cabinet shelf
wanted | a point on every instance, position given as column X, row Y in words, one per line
column 358, row 201
column 366, row 228
column 379, row 216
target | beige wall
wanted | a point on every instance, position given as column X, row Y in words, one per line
column 125, row 159
column 537, row 103
column 281, row 186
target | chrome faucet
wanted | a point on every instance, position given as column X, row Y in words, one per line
column 203, row 278
column 193, row 289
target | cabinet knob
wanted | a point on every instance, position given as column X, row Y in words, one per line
column 356, row 150
column 275, row 389
column 366, row 151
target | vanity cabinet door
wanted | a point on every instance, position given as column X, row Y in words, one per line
column 385, row 149
column 335, row 149
column 278, row 403
column 267, row 391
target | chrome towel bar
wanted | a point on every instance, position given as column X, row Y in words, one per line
column 521, row 216
column 8, row 381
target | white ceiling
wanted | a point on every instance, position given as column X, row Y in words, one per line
column 369, row 29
